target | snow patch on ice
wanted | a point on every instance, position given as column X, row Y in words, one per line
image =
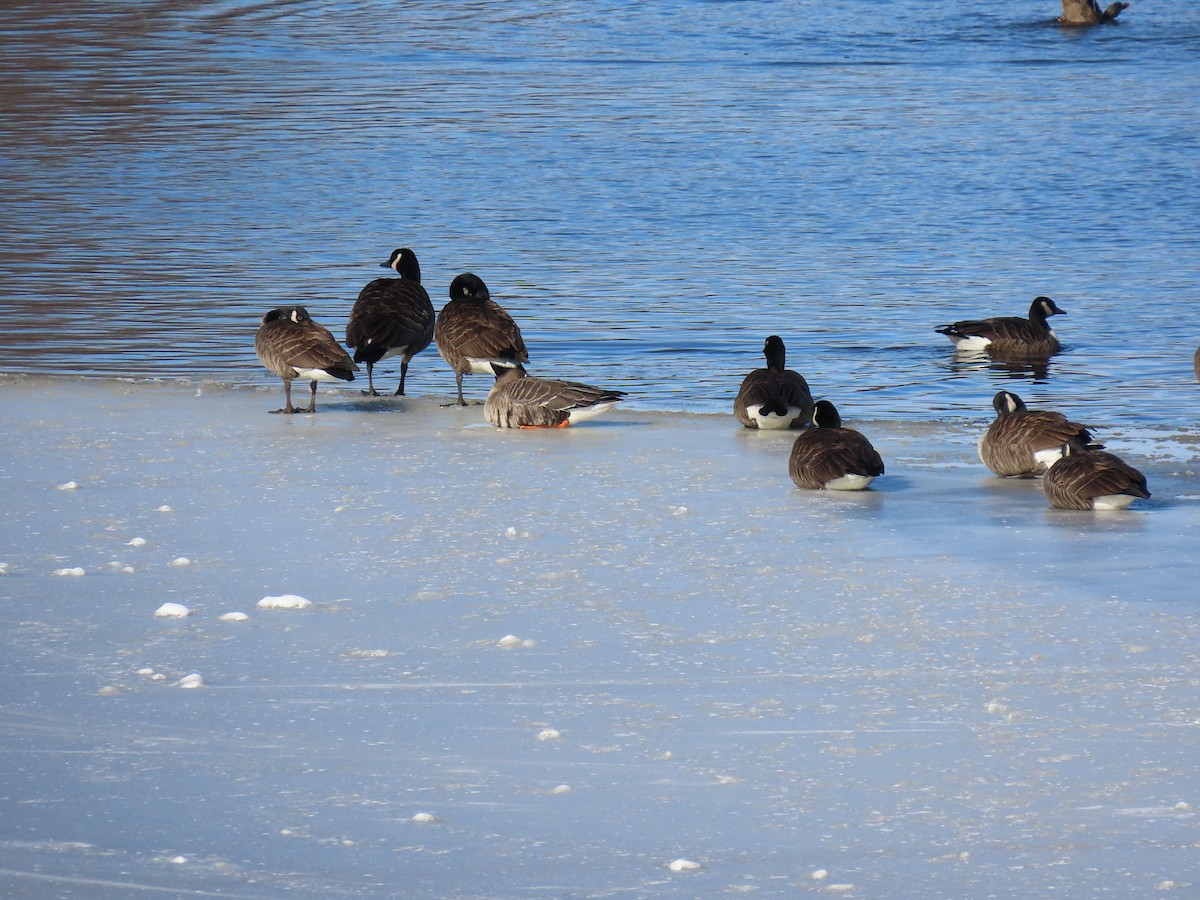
column 67, row 486
column 75, row 572
column 549, row 734
column 423, row 818
column 195, row 680
column 172, row 611
column 181, row 561
column 284, row 601
column 136, row 542
column 232, row 617
column 682, row 865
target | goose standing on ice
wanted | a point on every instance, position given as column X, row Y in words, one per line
column 519, row 400
column 1092, row 479
column 391, row 317
column 1024, row 442
column 292, row 345
column 830, row 457
column 774, row 397
column 472, row 330
column 1008, row 335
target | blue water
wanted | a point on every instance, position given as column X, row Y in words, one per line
column 650, row 189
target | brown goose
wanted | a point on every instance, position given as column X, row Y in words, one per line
column 292, row 345
column 391, row 317
column 774, row 397
column 1196, row 364
column 1008, row 335
column 1092, row 479
column 1026, row 442
column 472, row 330
column 1088, row 12
column 831, row 457
column 518, row 400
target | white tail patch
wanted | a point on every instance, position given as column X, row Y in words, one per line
column 849, row 482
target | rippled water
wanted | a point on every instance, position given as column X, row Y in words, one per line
column 650, row 189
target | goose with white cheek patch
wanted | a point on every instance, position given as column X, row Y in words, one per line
column 391, row 317
column 1008, row 335
column 830, row 457
column 519, row 400
column 774, row 398
column 292, row 345
column 1021, row 442
column 472, row 329
column 1092, row 479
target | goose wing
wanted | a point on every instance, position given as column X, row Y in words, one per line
column 390, row 313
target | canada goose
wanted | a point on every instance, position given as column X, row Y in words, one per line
column 1092, row 479
column 1021, row 441
column 1196, row 364
column 391, row 317
column 832, row 457
column 774, row 397
column 518, row 400
column 472, row 330
column 292, row 345
column 1008, row 335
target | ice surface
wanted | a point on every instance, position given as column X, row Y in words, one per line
column 937, row 688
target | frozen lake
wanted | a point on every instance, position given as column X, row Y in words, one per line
column 555, row 663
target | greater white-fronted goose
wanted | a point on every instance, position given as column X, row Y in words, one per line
column 391, row 317
column 774, row 397
column 1009, row 336
column 472, row 330
column 1024, row 442
column 1092, row 479
column 519, row 400
column 830, row 457
column 292, row 345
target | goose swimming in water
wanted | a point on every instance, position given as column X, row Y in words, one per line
column 1024, row 442
column 472, row 330
column 774, row 397
column 391, row 317
column 292, row 345
column 519, row 400
column 1008, row 335
column 830, row 457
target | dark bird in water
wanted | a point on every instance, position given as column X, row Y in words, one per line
column 830, row 457
column 1009, row 336
column 391, row 317
column 472, row 330
column 774, row 397
column 1088, row 12
column 519, row 400
column 1023, row 442
column 292, row 345
column 1092, row 479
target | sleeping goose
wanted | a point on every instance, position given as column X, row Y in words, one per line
column 1021, row 441
column 1008, row 335
column 472, row 330
column 518, row 400
column 831, row 457
column 391, row 317
column 774, row 397
column 1092, row 479
column 292, row 345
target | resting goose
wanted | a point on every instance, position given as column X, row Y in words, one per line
column 1008, row 335
column 472, row 330
column 292, row 345
column 831, row 457
column 774, row 397
column 518, row 400
column 1092, row 479
column 391, row 317
column 1023, row 442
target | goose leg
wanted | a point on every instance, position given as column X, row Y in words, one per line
column 312, row 400
column 403, row 375
column 287, row 399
